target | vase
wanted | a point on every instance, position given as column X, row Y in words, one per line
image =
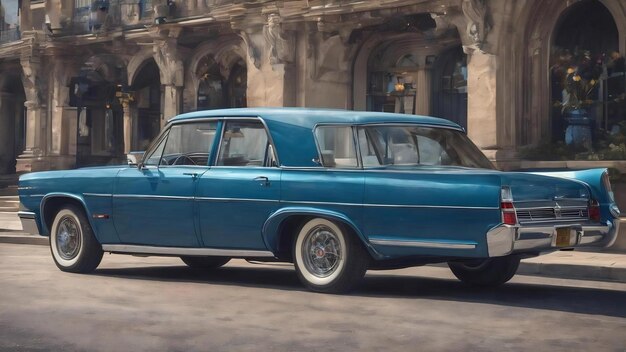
column 578, row 131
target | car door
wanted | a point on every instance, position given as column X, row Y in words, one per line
column 154, row 203
column 241, row 190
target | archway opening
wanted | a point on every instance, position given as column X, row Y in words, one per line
column 146, row 90
column 412, row 67
column 588, row 81
column 12, row 122
column 221, row 85
column 100, row 129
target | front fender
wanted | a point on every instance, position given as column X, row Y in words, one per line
column 44, row 227
column 272, row 224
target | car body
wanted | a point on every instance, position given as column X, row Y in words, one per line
column 319, row 188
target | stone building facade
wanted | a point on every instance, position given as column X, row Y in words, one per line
column 83, row 82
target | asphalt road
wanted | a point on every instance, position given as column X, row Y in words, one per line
column 149, row 304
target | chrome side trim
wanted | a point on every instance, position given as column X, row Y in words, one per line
column 236, row 199
column 553, row 200
column 149, row 196
column 431, row 206
column 26, row 214
column 97, row 194
column 126, row 248
column 423, row 244
column 389, row 205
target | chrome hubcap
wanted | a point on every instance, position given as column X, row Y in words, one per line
column 321, row 251
column 68, row 238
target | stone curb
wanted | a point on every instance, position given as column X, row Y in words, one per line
column 555, row 270
column 574, row 271
column 17, row 237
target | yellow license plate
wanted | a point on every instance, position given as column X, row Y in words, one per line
column 563, row 237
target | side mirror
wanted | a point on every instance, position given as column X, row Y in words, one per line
column 134, row 158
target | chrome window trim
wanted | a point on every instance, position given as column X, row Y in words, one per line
column 422, row 243
column 177, row 251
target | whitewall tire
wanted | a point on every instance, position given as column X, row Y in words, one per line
column 328, row 257
column 72, row 242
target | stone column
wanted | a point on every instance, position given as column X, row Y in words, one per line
column 172, row 97
column 7, row 130
column 129, row 119
column 27, row 161
column 171, row 67
column 423, row 90
column 270, row 61
column 482, row 118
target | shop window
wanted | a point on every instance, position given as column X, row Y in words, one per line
column 588, row 84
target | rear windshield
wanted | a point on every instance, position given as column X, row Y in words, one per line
column 418, row 145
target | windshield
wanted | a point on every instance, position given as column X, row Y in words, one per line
column 418, row 145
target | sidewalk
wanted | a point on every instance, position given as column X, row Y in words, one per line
column 565, row 265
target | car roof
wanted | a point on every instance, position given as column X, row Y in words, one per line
column 291, row 129
column 306, row 117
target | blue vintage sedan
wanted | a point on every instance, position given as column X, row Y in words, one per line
column 334, row 192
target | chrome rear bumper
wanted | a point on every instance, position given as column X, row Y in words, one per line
column 506, row 239
column 29, row 223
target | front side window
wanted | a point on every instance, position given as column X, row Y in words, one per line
column 155, row 155
column 245, row 144
column 418, row 145
column 184, row 144
column 336, row 144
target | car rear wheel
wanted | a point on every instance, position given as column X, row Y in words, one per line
column 328, row 258
column 486, row 272
column 205, row 262
column 72, row 242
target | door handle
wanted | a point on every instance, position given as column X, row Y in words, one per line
column 263, row 181
column 194, row 175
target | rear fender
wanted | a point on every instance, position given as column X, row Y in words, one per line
column 593, row 179
column 272, row 225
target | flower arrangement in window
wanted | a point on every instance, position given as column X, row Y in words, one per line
column 580, row 75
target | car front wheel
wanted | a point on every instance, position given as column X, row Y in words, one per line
column 485, row 272
column 205, row 262
column 328, row 258
column 72, row 242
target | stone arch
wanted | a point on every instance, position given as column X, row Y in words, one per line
column 226, row 52
column 394, row 48
column 137, row 62
column 111, row 68
column 12, row 120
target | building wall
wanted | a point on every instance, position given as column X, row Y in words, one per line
column 296, row 53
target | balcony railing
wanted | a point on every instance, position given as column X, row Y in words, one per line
column 9, row 35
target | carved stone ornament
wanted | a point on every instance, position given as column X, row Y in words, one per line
column 169, row 61
column 477, row 27
column 280, row 49
column 253, row 52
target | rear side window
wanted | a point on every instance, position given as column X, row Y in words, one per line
column 336, row 145
column 245, row 144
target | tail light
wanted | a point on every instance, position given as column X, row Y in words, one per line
column 594, row 210
column 506, row 205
